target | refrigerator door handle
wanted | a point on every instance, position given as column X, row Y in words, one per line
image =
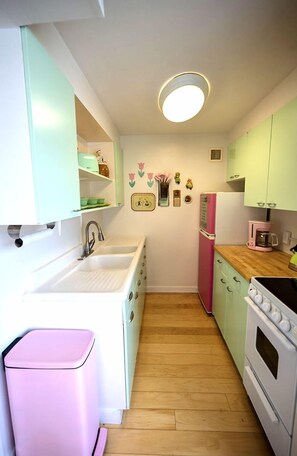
column 207, row 235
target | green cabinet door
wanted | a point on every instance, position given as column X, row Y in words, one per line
column 282, row 182
column 236, row 316
column 236, row 159
column 257, row 165
column 52, row 128
column 219, row 291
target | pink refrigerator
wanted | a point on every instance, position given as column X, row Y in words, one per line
column 223, row 220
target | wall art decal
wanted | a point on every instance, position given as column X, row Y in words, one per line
column 143, row 201
column 131, row 179
column 163, row 187
column 140, row 170
column 188, row 199
column 177, row 178
column 150, row 181
column 189, row 184
column 176, row 198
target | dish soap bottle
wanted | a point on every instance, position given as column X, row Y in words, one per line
column 293, row 259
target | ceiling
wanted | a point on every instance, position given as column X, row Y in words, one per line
column 244, row 48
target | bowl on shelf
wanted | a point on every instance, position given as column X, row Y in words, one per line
column 92, row 201
column 83, row 201
column 100, row 200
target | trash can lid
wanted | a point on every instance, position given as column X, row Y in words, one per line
column 51, row 349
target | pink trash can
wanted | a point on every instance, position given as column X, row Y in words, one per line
column 52, row 389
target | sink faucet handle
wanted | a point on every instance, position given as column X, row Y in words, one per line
column 100, row 234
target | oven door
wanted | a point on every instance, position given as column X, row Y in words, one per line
column 273, row 358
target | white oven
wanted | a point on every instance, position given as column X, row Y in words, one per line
column 270, row 374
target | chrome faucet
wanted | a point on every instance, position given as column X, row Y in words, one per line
column 90, row 243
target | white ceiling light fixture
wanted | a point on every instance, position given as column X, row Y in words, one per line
column 183, row 96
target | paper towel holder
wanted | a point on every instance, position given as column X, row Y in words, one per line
column 14, row 231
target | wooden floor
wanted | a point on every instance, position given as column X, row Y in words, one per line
column 188, row 398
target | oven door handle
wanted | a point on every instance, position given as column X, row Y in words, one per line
column 282, row 339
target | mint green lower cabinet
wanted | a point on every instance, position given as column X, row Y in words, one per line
column 219, row 291
column 230, row 308
column 236, row 315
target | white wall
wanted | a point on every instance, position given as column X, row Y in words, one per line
column 282, row 94
column 172, row 232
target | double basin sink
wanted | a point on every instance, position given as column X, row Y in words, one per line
column 109, row 257
column 108, row 270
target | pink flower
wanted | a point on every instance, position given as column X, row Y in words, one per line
column 150, row 176
column 131, row 176
column 141, row 166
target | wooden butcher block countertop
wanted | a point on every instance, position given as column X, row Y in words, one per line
column 251, row 263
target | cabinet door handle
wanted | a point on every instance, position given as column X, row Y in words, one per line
column 141, row 272
column 229, row 289
column 130, row 295
column 143, row 264
column 139, row 282
column 223, row 281
column 271, row 204
column 136, row 295
column 219, row 261
column 236, row 176
column 260, row 203
column 131, row 316
column 236, row 279
column 76, row 210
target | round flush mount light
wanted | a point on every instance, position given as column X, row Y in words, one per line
column 183, row 96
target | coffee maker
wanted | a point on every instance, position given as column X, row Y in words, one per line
column 260, row 236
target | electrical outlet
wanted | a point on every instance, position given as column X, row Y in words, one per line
column 287, row 237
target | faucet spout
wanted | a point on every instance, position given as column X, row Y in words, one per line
column 91, row 242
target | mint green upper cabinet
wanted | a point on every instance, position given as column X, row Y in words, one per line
column 41, row 171
column 257, row 164
column 236, row 159
column 282, row 182
column 119, row 178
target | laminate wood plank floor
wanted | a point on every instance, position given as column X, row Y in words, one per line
column 188, row 398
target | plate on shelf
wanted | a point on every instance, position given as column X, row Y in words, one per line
column 93, row 206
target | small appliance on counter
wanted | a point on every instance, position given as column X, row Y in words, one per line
column 293, row 259
column 260, row 236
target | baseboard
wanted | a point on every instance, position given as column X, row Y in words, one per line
column 111, row 416
column 169, row 289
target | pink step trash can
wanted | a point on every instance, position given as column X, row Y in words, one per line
column 52, row 388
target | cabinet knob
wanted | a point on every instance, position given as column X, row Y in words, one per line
column 130, row 296
column 131, row 316
column 141, row 272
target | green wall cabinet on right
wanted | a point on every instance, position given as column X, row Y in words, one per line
column 272, row 157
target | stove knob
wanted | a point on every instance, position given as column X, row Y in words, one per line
column 266, row 305
column 276, row 316
column 258, row 298
column 252, row 293
column 285, row 325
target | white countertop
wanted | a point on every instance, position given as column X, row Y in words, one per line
column 74, row 283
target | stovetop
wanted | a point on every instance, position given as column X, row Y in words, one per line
column 283, row 288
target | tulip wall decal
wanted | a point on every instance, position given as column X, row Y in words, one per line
column 140, row 171
column 150, row 181
column 131, row 179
